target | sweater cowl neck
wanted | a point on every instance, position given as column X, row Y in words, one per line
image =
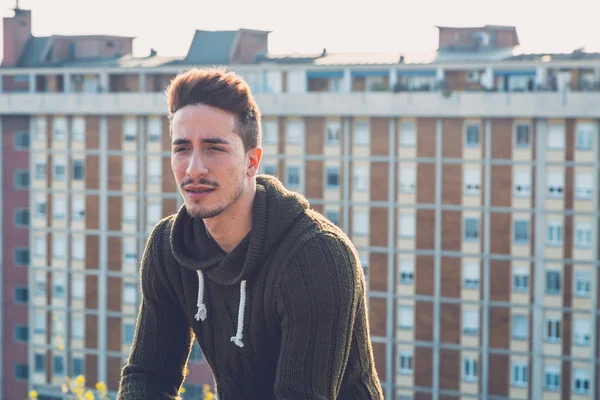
column 274, row 211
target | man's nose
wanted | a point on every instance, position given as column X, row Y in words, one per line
column 196, row 166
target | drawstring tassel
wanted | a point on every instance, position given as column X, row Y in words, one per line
column 201, row 314
column 237, row 339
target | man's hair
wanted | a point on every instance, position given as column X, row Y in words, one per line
column 221, row 89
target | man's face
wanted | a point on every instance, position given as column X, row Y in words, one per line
column 208, row 159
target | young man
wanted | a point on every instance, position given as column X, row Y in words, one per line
column 272, row 291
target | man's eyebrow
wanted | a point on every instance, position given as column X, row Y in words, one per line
column 215, row 140
column 180, row 141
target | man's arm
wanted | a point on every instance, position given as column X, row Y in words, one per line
column 163, row 338
column 316, row 300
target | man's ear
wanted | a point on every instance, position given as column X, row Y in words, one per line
column 254, row 157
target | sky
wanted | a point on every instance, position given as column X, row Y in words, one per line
column 311, row 25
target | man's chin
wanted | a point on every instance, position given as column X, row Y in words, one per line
column 198, row 212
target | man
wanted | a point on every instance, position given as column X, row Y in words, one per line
column 272, row 291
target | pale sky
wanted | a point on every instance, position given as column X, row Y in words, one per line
column 311, row 25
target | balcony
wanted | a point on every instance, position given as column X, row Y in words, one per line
column 415, row 104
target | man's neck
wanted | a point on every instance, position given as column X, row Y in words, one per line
column 232, row 226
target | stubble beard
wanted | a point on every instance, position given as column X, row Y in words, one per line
column 198, row 211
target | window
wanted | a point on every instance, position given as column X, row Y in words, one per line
column 21, row 179
column 581, row 381
column 22, row 140
column 130, row 129
column 40, row 170
column 333, row 177
column 40, row 129
column 129, row 250
column 154, row 171
column 78, row 248
column 583, row 235
column 363, row 258
column 553, row 330
column 59, row 286
column 581, row 336
column 408, row 134
column 77, row 366
column 269, row 132
column 77, row 328
column 406, row 317
column 469, row 369
column 407, row 271
column 21, row 333
column 360, row 223
column 472, row 181
column 361, row 134
column 22, row 217
column 407, row 226
column 293, row 177
column 77, row 287
column 585, row 135
column 154, row 129
column 408, row 177
column 154, row 213
column 332, row 133
column 59, row 246
column 40, row 285
column 78, row 208
column 129, row 210
column 522, row 184
column 332, row 216
column 40, row 208
column 39, row 245
column 22, row 256
column 196, row 353
column 78, row 129
column 552, row 282
column 583, row 186
column 521, row 279
column 470, row 322
column 471, row 275
column 556, row 183
column 520, row 327
column 128, row 333
column 21, row 372
column 129, row 294
column 552, row 377
column 471, row 229
column 40, row 364
column 556, row 137
column 522, row 136
column 21, row 294
column 129, row 170
column 60, row 171
column 59, row 365
column 78, row 170
column 294, row 132
column 472, row 135
column 582, row 283
column 519, row 374
column 361, row 178
column 405, row 364
column 554, row 233
column 521, row 232
column 59, row 207
column 59, row 129
column 40, row 322
column 270, row 169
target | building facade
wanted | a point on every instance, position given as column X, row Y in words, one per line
column 467, row 178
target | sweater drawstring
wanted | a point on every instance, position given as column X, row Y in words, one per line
column 201, row 314
column 237, row 339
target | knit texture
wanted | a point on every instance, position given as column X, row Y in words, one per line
column 305, row 327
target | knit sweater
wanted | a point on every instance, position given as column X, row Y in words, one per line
column 282, row 316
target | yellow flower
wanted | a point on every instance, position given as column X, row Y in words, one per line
column 33, row 395
column 89, row 395
column 182, row 390
column 101, row 387
column 80, row 380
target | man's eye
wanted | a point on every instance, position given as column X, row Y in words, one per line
column 180, row 149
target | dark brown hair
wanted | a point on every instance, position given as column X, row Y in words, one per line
column 218, row 88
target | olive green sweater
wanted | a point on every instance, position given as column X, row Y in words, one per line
column 282, row 316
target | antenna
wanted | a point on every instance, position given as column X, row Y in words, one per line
column 17, row 7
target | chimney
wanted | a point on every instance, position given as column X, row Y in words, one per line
column 17, row 31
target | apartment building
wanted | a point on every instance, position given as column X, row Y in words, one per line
column 466, row 178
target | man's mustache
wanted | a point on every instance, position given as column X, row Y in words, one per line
column 202, row 181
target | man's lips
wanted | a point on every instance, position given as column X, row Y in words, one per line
column 198, row 191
